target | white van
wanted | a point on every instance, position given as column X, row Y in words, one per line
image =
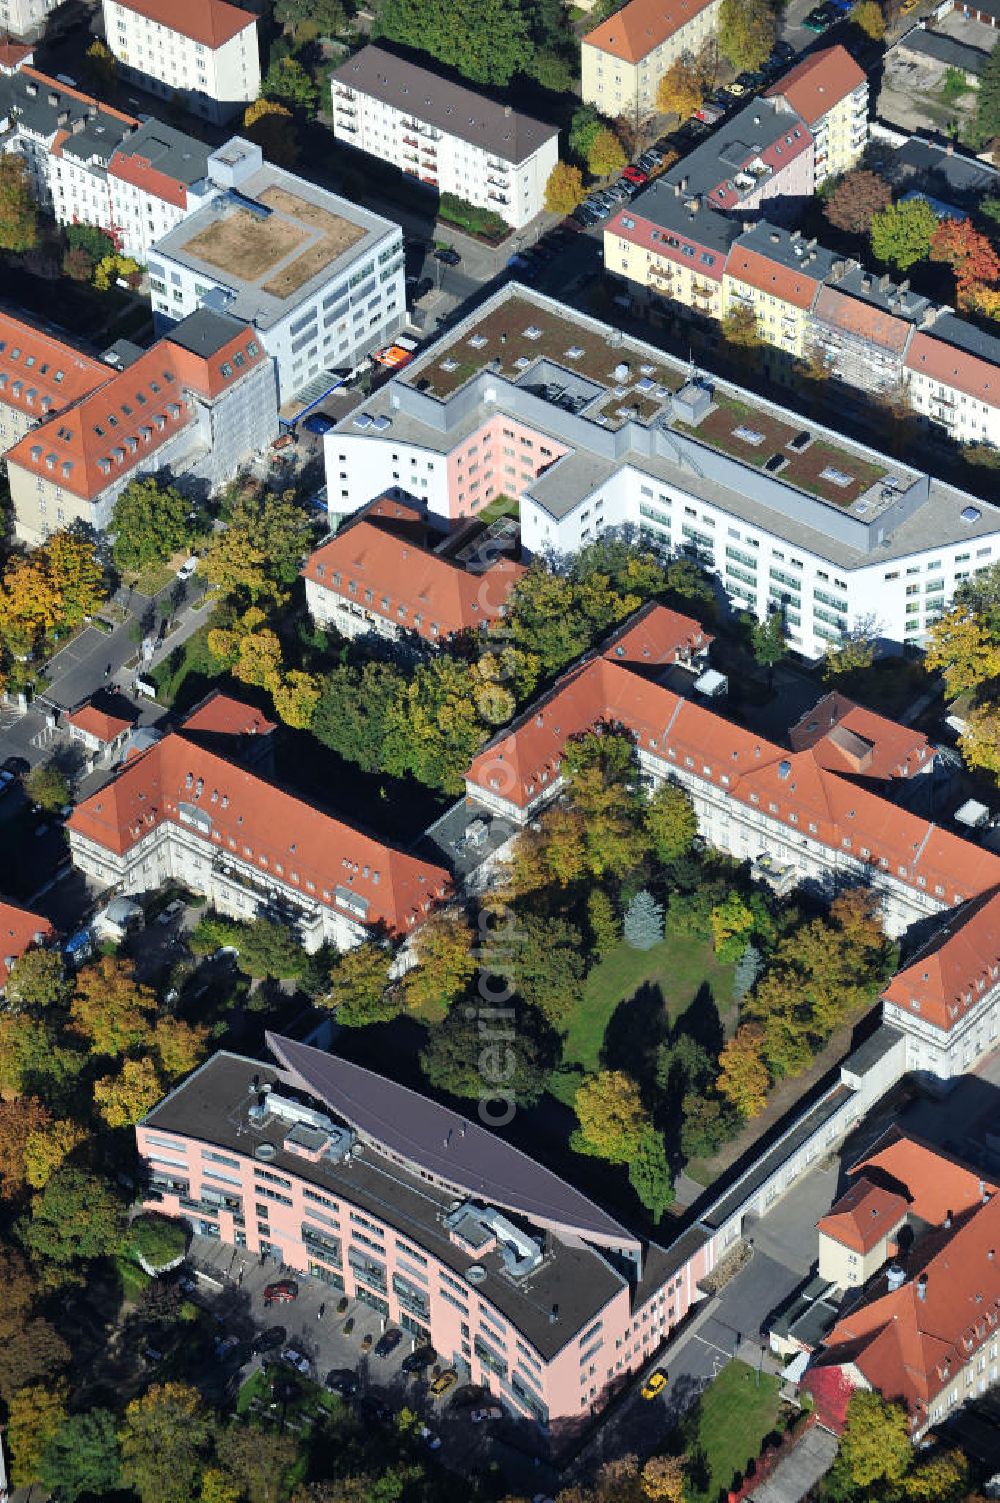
column 188, row 567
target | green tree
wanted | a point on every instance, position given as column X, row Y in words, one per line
column 875, row 1449
column 37, row 981
column 670, row 822
column 163, row 1440
column 471, row 1055
column 75, row 1219
column 732, row 925
column 359, row 986
column 564, row 189
column 288, row 81
column 272, row 127
column 602, row 921
column 269, row 948
column 328, row 17
column 548, row 964
column 584, row 126
column 47, row 787
column 987, row 124
column 768, row 641
column 258, row 555
column 649, row 1173
column 902, row 233
column 150, row 523
column 354, row 712
column 159, row 1239
column 607, row 154
column 854, row 652
column 601, row 775
column 82, row 1456
column 747, row 30
column 706, row 1124
column 18, row 210
column 258, row 1459
column 643, row 924
column 611, row 1115
column 486, row 41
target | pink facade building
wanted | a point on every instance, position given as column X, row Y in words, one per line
column 517, row 1279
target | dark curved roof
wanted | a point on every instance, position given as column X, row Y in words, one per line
column 445, row 1144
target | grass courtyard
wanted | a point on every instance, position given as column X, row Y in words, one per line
column 726, row 1428
column 680, row 967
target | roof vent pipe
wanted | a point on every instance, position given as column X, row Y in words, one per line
column 922, row 1286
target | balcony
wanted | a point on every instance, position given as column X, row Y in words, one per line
column 411, row 141
column 502, row 167
column 341, row 93
column 498, row 198
column 325, row 1247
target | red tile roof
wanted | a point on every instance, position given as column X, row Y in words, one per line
column 778, row 156
column 818, row 82
column 652, row 237
column 221, row 715
column 639, row 27
column 861, row 1218
column 854, row 316
column 935, row 1184
column 130, row 167
column 791, row 285
column 656, row 637
column 19, row 930
column 135, row 412
column 236, row 812
column 793, row 789
column 211, row 22
column 98, row 722
column 954, row 367
column 413, row 589
column 958, row 967
column 913, row 1342
column 13, row 55
column 39, row 374
column 845, row 737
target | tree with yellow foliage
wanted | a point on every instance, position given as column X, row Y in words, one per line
column 76, row 573
column 445, row 964
column 296, row 696
column 179, row 1046
column 34, row 1414
column 961, row 646
column 681, row 89
column 611, row 1115
column 123, row 1098
column 663, row 1479
column 743, row 1076
column 564, row 189
column 272, row 127
column 110, row 1009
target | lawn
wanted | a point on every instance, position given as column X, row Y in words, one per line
column 726, row 1428
column 679, row 966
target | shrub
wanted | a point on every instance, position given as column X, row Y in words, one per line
column 157, row 1239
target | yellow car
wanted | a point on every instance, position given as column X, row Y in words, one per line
column 736, row 89
column 447, row 1380
column 654, row 1384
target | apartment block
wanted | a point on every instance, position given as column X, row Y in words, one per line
column 925, row 1329
column 39, row 377
column 862, row 325
column 203, row 51
column 592, row 430
column 444, row 134
column 670, row 246
column 374, row 579
column 952, row 373
column 777, row 274
column 156, row 177
column 195, row 808
column 19, row 931
column 623, row 59
column 520, row 1282
column 829, row 92
column 195, row 405
column 319, row 279
column 23, row 18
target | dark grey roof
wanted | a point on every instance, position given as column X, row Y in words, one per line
column 445, row 1144
column 944, row 49
column 663, row 204
column 451, row 107
column 789, row 248
column 204, row 331
column 751, row 130
column 965, row 336
column 549, row 1306
column 941, row 172
column 43, row 105
column 882, row 292
column 170, row 151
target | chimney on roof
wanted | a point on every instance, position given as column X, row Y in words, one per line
column 694, row 205
column 507, row 110
column 947, row 1220
column 553, row 1315
column 684, row 184
column 904, row 286
column 991, row 1255
column 838, row 268
column 922, row 1286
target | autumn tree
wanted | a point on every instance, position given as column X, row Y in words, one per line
column 747, row 31
column 122, row 1099
column 601, row 777
column 445, row 964
column 76, row 1218
column 741, row 328
column 164, row 1437
column 962, row 646
column 48, row 787
column 943, row 1478
column 101, row 68
column 564, row 189
column 875, row 1449
column 74, row 569
column 602, row 922
column 611, row 1115
column 732, row 925
column 31, row 1349
column 110, row 1009
column 743, row 1076
column 359, row 986
column 854, row 201
column 18, row 210
column 853, row 652
column 663, row 1479
column 681, row 89
column 869, row 18
column 272, row 126
column 606, row 155
column 179, row 1046
column 258, row 1459
column 34, row 1415
column 150, row 523
column 901, row 234
column 969, row 254
column 256, row 558
column 670, row 821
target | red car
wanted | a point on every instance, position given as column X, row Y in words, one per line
column 281, row 1293
column 635, row 175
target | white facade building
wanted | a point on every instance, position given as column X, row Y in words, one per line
column 205, row 51
column 444, row 134
column 320, row 279
column 156, row 178
column 591, row 430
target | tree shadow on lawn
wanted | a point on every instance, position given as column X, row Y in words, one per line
column 635, row 1031
column 701, row 1021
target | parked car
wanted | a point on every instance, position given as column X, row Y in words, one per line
column 282, row 1291
column 344, row 1381
column 635, row 175
column 432, row 1441
column 444, row 1382
column 318, row 423
column 417, row 1361
column 296, row 1359
column 448, row 255
column 269, row 1340
column 490, row 1412
column 388, row 1342
column 654, row 1384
